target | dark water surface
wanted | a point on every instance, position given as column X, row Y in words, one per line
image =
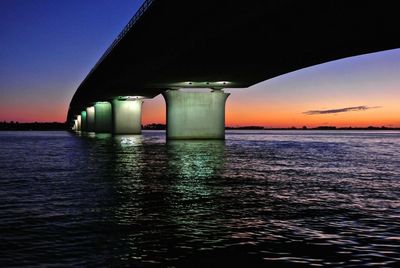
column 280, row 198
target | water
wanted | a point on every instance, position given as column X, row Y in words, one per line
column 281, row 198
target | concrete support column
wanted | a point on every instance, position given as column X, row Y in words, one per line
column 127, row 116
column 103, row 117
column 195, row 115
column 78, row 120
column 90, row 116
column 83, row 121
column 75, row 127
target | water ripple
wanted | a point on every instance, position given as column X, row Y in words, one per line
column 279, row 198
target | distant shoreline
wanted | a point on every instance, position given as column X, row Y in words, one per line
column 54, row 126
column 35, row 126
column 315, row 128
column 163, row 127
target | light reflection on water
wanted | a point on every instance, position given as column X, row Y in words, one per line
column 283, row 198
column 195, row 159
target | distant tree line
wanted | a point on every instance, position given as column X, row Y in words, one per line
column 156, row 126
column 315, row 128
column 246, row 127
column 33, row 126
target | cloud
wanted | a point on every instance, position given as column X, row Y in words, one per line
column 341, row 110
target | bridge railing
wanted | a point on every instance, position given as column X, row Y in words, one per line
column 146, row 4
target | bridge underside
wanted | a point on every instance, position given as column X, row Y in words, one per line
column 177, row 44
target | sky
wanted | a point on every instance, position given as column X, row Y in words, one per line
column 48, row 47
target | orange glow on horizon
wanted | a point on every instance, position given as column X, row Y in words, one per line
column 239, row 112
column 280, row 115
column 33, row 113
column 285, row 116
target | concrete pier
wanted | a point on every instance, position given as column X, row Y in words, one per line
column 75, row 127
column 90, row 117
column 83, row 121
column 103, row 117
column 195, row 115
column 78, row 125
column 127, row 115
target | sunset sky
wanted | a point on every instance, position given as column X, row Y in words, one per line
column 48, row 47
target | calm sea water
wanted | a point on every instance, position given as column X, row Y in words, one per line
column 280, row 198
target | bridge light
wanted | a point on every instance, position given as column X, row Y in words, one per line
column 130, row 97
column 223, row 82
column 135, row 97
column 201, row 84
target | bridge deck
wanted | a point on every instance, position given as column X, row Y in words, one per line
column 241, row 42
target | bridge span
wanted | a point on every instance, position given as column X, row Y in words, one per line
column 170, row 45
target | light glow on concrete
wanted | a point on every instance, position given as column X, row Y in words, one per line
column 75, row 127
column 103, row 117
column 78, row 119
column 83, row 121
column 127, row 116
column 195, row 115
column 90, row 117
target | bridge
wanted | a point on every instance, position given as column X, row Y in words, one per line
column 171, row 46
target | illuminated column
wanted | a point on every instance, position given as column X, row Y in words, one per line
column 75, row 127
column 90, row 118
column 83, row 121
column 103, row 117
column 127, row 115
column 195, row 115
column 78, row 120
